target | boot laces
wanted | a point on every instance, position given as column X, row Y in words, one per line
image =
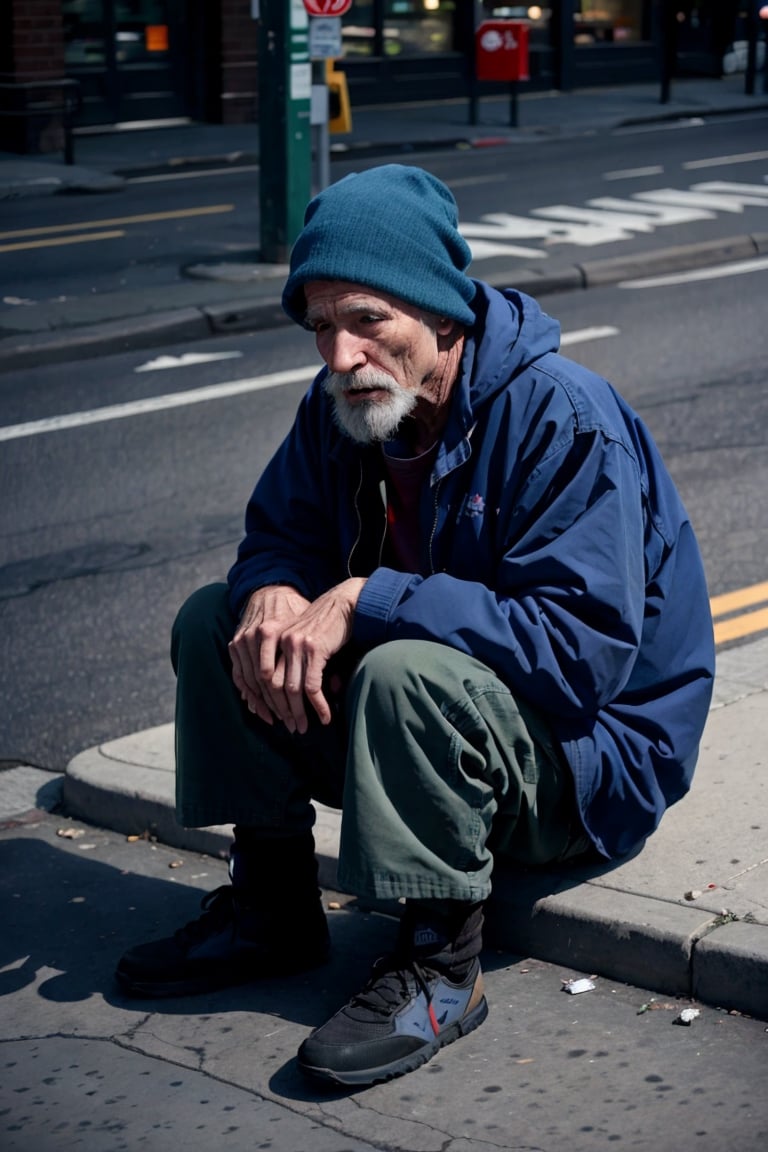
column 219, row 910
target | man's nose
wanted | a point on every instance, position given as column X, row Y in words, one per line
column 344, row 352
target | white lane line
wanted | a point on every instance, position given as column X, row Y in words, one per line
column 737, row 268
column 185, row 361
column 716, row 161
column 582, row 334
column 628, row 173
column 155, row 404
column 196, row 174
column 211, row 392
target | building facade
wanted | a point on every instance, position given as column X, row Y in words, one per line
column 149, row 61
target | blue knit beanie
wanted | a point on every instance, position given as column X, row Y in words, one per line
column 393, row 228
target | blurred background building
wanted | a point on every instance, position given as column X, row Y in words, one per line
column 143, row 61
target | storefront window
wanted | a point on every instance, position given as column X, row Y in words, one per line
column 398, row 27
column 608, row 21
column 418, row 26
column 141, row 33
column 139, row 27
column 83, row 32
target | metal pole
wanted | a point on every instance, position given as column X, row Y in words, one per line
column 751, row 69
column 667, row 47
column 285, row 136
column 472, row 18
column 320, row 123
column 513, row 103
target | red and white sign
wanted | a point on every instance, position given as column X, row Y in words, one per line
column 501, row 50
column 327, row 7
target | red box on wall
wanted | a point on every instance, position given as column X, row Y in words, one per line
column 501, row 50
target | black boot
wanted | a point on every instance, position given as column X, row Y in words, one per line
column 269, row 921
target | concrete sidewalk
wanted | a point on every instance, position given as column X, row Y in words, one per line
column 687, row 916
column 221, row 300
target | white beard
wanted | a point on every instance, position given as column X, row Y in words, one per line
column 368, row 421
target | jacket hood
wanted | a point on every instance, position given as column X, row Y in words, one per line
column 510, row 332
column 522, row 332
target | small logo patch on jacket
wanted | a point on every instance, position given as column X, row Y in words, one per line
column 475, row 505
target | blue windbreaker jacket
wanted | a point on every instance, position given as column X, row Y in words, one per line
column 557, row 551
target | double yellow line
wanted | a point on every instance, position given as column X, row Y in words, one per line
column 737, row 614
column 54, row 235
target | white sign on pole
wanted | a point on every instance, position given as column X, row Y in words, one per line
column 325, row 37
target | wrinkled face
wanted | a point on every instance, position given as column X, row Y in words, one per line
column 381, row 353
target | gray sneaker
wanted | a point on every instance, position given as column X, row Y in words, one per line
column 402, row 1017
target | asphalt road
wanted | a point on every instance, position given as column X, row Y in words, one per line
column 144, row 236
column 107, row 526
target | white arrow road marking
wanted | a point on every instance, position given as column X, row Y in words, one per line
column 185, row 361
column 212, row 392
column 737, row 268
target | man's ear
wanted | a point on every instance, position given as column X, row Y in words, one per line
column 445, row 325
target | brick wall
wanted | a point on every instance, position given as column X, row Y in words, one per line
column 32, row 50
column 37, row 39
column 239, row 48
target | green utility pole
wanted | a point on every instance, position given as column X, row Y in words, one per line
column 285, row 137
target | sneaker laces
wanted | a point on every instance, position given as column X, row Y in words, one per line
column 393, row 981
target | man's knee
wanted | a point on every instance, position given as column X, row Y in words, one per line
column 392, row 666
column 203, row 619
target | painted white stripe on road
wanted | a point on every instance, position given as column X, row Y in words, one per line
column 155, row 404
column 629, row 173
column 211, row 392
column 583, row 334
column 716, row 161
column 737, row 268
column 196, row 174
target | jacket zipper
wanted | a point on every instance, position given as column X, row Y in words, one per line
column 359, row 521
column 356, row 502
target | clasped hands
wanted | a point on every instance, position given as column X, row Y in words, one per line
column 282, row 646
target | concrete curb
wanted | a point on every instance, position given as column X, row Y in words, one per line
column 565, row 917
column 263, row 311
column 631, row 921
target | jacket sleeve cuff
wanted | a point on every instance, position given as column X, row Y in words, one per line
column 381, row 593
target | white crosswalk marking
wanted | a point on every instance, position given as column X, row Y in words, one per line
column 660, row 213
column 607, row 219
column 758, row 190
column 711, row 201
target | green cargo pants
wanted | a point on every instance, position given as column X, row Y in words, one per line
column 436, row 766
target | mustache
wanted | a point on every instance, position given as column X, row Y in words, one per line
column 366, row 380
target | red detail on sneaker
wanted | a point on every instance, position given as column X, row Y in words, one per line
column 433, row 1020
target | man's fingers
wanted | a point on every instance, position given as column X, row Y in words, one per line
column 292, row 684
column 321, row 706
